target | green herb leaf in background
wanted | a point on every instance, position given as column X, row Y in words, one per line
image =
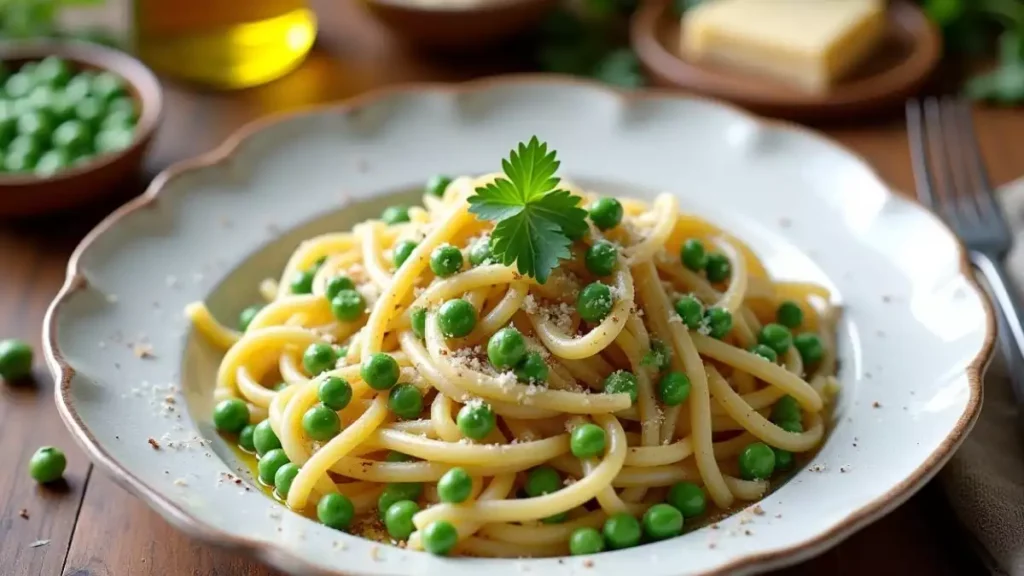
column 967, row 27
column 535, row 221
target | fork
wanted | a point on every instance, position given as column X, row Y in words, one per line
column 952, row 181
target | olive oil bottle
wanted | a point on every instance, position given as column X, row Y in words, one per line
column 223, row 43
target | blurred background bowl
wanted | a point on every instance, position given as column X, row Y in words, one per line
column 455, row 24
column 26, row 194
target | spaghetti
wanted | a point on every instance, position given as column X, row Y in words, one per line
column 397, row 375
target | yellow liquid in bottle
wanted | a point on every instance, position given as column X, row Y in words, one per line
column 224, row 43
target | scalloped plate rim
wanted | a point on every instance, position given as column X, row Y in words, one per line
column 281, row 556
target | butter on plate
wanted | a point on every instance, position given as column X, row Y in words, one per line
column 809, row 44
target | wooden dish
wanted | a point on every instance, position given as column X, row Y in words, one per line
column 460, row 24
column 25, row 195
column 910, row 52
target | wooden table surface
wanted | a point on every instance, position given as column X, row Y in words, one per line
column 91, row 527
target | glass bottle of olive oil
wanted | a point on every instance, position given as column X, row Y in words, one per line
column 224, row 43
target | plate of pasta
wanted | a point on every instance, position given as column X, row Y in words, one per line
column 520, row 325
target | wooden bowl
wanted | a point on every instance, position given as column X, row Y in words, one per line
column 909, row 53
column 462, row 24
column 25, row 195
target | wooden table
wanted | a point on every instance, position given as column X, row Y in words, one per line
column 91, row 527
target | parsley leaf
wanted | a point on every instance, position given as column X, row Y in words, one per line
column 535, row 221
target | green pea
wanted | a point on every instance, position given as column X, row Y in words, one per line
column 446, row 261
column 810, row 348
column 73, row 137
column 42, row 98
column 406, row 401
column 606, row 213
column 348, row 305
column 301, row 282
column 245, row 316
column 283, row 479
column 456, row 318
column 118, row 119
column 437, row 184
column 783, row 459
column 718, row 268
column 319, row 357
column 621, row 531
column 398, row 519
column 337, row 284
column 20, row 161
column 38, row 124
column 622, row 382
column 63, row 109
column 245, row 441
column 455, row 486
column 662, row 521
column 19, row 85
column 786, row 409
column 480, row 252
column 122, row 111
column 47, row 465
column 506, row 348
column 107, row 86
column 476, row 420
column 335, row 393
column 659, row 356
column 691, row 311
column 693, row 255
column 764, row 352
column 395, row 214
column 113, row 140
column 230, row 415
column 321, row 423
column 601, row 258
column 51, row 162
column 542, row 480
column 757, row 461
column 270, row 463
column 402, row 251
column 794, row 426
column 28, row 144
column 15, row 359
column 335, row 511
column 587, row 441
column 594, row 302
column 419, row 322
column 719, row 322
column 397, row 457
column 53, row 71
column 439, row 537
column 264, row 439
column 280, row 386
column 585, row 541
column 380, row 371
column 688, row 498
column 777, row 337
column 78, row 88
column 342, row 351
column 674, row 388
column 790, row 314
column 533, row 369
column 396, row 492
column 91, row 111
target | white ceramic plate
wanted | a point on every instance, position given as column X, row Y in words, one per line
column 915, row 338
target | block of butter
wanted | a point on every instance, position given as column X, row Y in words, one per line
column 809, row 44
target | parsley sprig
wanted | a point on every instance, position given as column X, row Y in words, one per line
column 536, row 221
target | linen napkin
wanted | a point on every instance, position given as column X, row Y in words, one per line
column 984, row 480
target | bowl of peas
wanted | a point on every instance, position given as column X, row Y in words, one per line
column 75, row 122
